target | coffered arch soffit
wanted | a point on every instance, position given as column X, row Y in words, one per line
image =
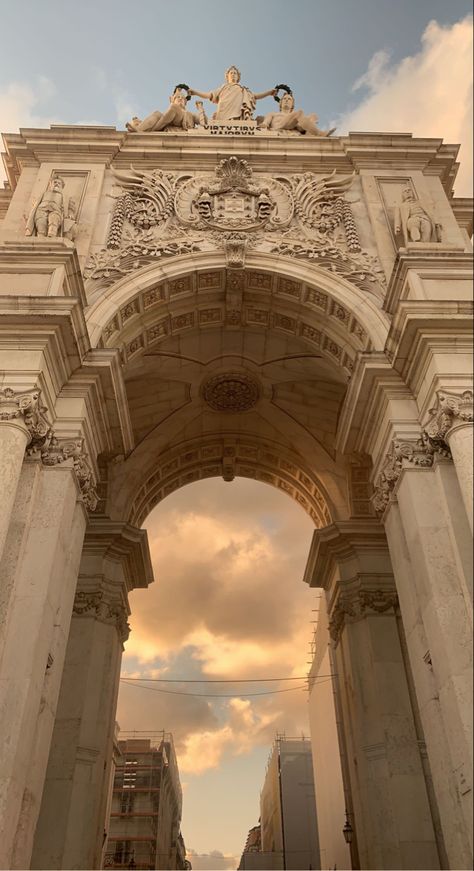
column 231, row 456
column 160, row 300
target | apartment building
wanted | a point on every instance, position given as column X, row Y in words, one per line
column 145, row 816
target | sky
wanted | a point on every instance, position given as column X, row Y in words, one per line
column 228, row 601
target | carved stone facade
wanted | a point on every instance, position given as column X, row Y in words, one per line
column 161, row 214
column 229, row 296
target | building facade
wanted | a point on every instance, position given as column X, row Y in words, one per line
column 287, row 806
column 184, row 300
column 145, row 815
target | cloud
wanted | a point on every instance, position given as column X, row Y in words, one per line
column 20, row 104
column 228, row 603
column 212, row 861
column 427, row 94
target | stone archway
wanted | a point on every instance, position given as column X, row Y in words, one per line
column 244, row 372
column 294, row 367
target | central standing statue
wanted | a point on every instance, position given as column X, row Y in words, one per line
column 234, row 102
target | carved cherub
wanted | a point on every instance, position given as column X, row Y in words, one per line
column 290, row 119
column 176, row 115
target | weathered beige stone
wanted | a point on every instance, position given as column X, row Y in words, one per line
column 240, row 309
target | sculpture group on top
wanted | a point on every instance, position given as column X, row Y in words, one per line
column 235, row 103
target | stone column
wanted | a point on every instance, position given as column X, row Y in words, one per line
column 430, row 568
column 21, row 420
column 70, row 830
column 451, row 424
column 392, row 816
column 39, row 571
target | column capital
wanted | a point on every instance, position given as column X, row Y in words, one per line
column 105, row 603
column 26, row 410
column 451, row 410
column 55, row 451
column 405, row 454
column 368, row 595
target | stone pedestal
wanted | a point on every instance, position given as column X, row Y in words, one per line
column 430, row 573
column 39, row 570
column 391, row 810
column 70, row 830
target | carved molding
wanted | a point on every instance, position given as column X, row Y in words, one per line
column 353, row 606
column 451, row 409
column 411, row 452
column 44, row 443
column 27, row 407
column 104, row 608
column 57, row 450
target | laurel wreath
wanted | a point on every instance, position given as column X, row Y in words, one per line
column 282, row 88
column 183, row 87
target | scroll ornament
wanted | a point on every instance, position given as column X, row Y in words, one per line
column 44, row 443
column 103, row 608
column 412, row 452
column 450, row 409
column 351, row 607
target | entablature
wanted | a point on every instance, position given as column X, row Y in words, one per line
column 399, row 151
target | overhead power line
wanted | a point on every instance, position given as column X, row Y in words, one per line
column 214, row 695
column 215, row 680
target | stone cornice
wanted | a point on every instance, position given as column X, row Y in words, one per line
column 374, row 382
column 430, row 261
column 463, row 212
column 343, row 543
column 59, row 144
column 83, row 144
column 123, row 543
column 421, row 327
column 44, row 255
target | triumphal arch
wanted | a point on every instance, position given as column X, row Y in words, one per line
column 225, row 295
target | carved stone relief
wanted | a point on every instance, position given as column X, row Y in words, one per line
column 44, row 442
column 416, row 452
column 159, row 214
column 353, row 606
column 104, row 608
column 450, row 409
column 231, row 392
column 55, row 213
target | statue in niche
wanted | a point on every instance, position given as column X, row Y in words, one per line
column 414, row 219
column 176, row 115
column 287, row 118
column 47, row 215
column 234, row 101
